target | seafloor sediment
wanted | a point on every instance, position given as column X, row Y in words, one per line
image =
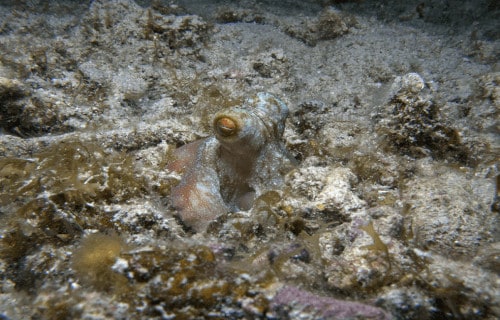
column 391, row 212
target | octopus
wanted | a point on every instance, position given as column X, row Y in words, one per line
column 245, row 158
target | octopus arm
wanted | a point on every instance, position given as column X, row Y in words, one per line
column 197, row 197
column 185, row 156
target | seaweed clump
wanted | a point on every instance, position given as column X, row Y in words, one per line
column 188, row 283
column 329, row 24
column 178, row 32
column 25, row 114
column 415, row 126
column 52, row 196
column 94, row 258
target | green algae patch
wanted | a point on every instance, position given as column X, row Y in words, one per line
column 70, row 173
column 52, row 196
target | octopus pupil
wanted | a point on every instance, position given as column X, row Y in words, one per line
column 226, row 127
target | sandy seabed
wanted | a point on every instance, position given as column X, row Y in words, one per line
column 392, row 211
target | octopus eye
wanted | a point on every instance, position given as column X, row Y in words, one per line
column 226, row 127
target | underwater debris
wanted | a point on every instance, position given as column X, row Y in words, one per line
column 228, row 171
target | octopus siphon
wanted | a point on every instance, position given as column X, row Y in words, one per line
column 226, row 172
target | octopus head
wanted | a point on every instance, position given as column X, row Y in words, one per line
column 247, row 128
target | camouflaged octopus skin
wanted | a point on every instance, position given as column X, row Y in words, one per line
column 226, row 172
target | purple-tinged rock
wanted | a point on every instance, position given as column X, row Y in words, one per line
column 303, row 304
